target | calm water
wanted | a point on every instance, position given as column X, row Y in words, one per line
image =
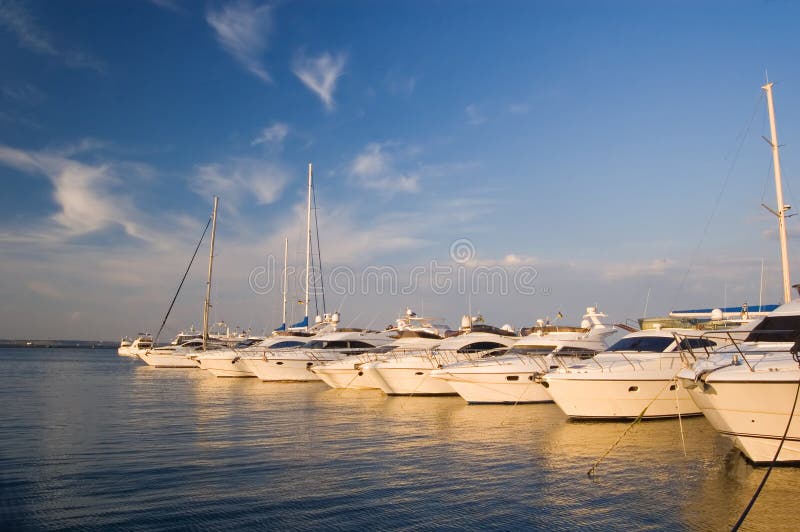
column 94, row 440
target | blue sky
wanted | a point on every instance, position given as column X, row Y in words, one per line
column 611, row 149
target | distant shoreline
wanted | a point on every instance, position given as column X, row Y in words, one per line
column 54, row 344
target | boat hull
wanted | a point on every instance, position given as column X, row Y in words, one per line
column 285, row 370
column 496, row 388
column 168, row 360
column 352, row 378
column 407, row 381
column 620, row 398
column 233, row 367
column 728, row 406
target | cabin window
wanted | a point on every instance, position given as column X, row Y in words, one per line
column 633, row 389
column 695, row 343
column 479, row 346
column 776, row 329
column 532, row 350
column 673, row 387
column 512, row 378
column 655, row 344
column 286, row 343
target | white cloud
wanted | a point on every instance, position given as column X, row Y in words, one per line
column 474, row 115
column 241, row 179
column 242, row 29
column 85, row 193
column 375, row 168
column 320, row 74
column 15, row 18
column 273, row 135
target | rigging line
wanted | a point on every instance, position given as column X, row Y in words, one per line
column 155, row 340
column 735, row 158
column 319, row 251
column 771, row 466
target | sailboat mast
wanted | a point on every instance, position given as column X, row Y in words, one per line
column 207, row 305
column 782, row 208
column 308, row 242
column 285, row 274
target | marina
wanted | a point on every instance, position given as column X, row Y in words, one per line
column 399, row 266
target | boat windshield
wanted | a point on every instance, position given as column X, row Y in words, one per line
column 653, row 344
column 532, row 349
column 776, row 329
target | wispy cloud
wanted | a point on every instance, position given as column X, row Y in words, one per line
column 474, row 115
column 16, row 19
column 375, row 168
column 519, row 108
column 273, row 135
column 242, row 30
column 320, row 74
column 239, row 180
column 85, row 193
column 400, row 85
column 24, row 93
column 171, row 5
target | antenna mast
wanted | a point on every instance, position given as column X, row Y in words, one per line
column 285, row 275
column 782, row 208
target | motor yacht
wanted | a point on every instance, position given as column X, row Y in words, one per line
column 413, row 334
column 748, row 390
column 409, row 373
column 514, row 377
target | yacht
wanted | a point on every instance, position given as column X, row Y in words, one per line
column 515, row 376
column 748, row 390
column 124, row 348
column 174, row 356
column 296, row 364
column 412, row 334
column 410, row 373
column 635, row 377
column 140, row 344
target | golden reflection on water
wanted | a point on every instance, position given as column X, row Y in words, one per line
column 314, row 438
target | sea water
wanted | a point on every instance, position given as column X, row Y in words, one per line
column 92, row 440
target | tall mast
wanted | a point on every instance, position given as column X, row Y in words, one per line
column 782, row 208
column 285, row 274
column 207, row 305
column 308, row 242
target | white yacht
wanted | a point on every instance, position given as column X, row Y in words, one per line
column 634, row 377
column 413, row 334
column 748, row 391
column 515, row 376
column 139, row 345
column 295, row 364
column 124, row 348
column 234, row 362
column 172, row 356
column 410, row 373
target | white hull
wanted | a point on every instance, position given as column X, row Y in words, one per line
column 226, row 367
column 352, row 378
column 407, row 381
column 125, row 351
column 492, row 388
column 168, row 360
column 728, row 406
column 282, row 370
column 620, row 398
